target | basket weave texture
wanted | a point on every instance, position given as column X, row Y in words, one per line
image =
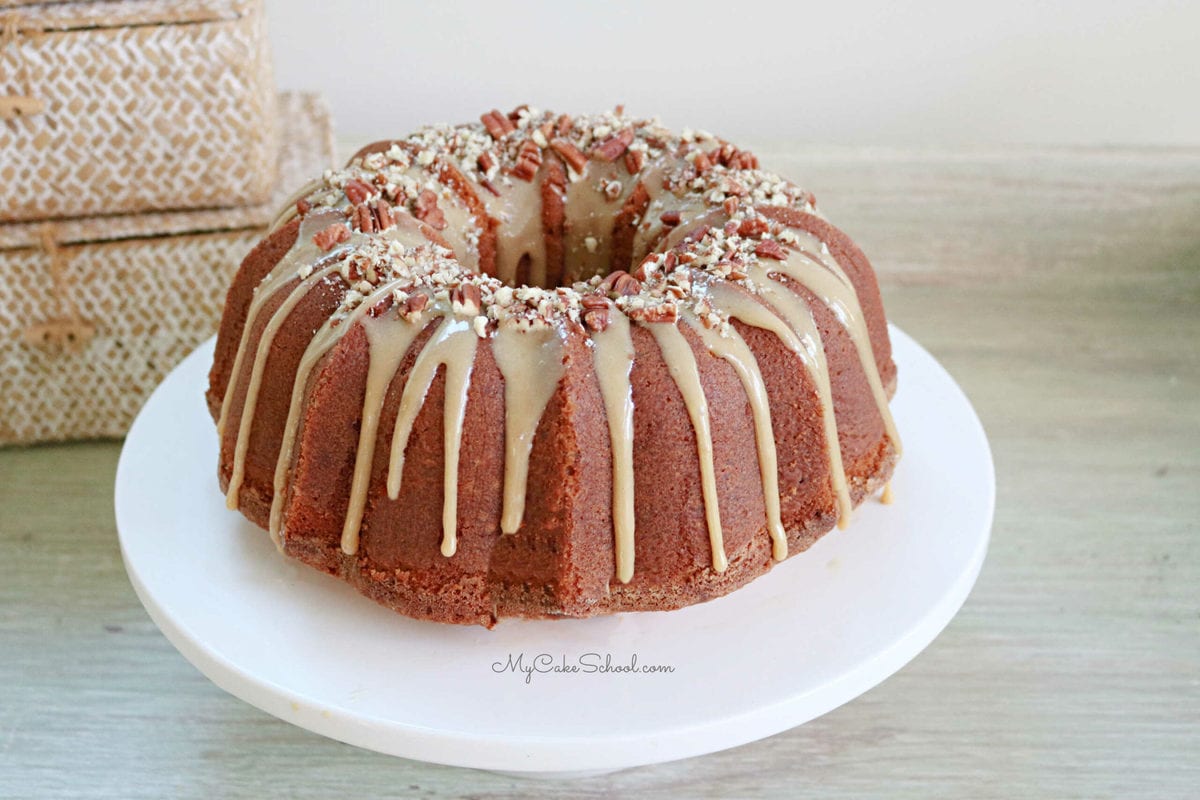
column 111, row 107
column 88, row 330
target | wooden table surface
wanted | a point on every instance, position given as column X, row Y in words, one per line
column 1060, row 287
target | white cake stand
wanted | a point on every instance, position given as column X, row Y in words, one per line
column 814, row 633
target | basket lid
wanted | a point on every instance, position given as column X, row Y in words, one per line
column 43, row 17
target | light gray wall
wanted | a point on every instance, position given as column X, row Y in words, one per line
column 871, row 71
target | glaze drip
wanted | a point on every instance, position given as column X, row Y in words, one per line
column 797, row 330
column 260, row 360
column 531, row 363
column 388, row 342
column 613, row 358
column 732, row 347
column 452, row 346
column 681, row 363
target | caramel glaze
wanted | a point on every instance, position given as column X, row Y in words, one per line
column 642, row 465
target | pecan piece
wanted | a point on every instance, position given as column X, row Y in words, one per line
column 303, row 206
column 670, row 218
column 730, row 186
column 621, row 283
column 333, row 235
column 363, row 219
column 596, row 319
column 415, row 304
column 593, row 301
column 769, row 248
column 358, row 191
column 529, row 160
column 465, row 299
column 379, row 308
column 746, row 160
column 485, row 161
column 755, row 226
column 384, row 218
column 426, row 209
column 701, row 162
column 497, row 124
column 731, row 205
column 575, row 159
column 614, row 146
column 634, row 159
column 664, row 312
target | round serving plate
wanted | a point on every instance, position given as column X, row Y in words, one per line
column 550, row 698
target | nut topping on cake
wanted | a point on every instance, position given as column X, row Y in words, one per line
column 334, row 235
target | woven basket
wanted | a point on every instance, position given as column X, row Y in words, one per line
column 87, row 330
column 131, row 106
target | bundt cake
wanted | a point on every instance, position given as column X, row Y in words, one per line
column 547, row 366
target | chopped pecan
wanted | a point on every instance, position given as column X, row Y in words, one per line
column 491, row 187
column 379, row 308
column 303, row 206
column 529, row 160
column 725, row 154
column 634, row 159
column 363, row 219
column 384, row 218
column 426, row 209
column 621, row 283
column 664, row 312
column 575, row 159
column 485, row 161
column 746, row 160
column 669, row 261
column 590, row 301
column 596, row 319
column 465, row 299
column 731, row 205
column 644, row 269
column 562, row 125
column 730, row 186
column 755, row 226
column 497, row 124
column 670, row 218
column 614, row 146
column 357, row 191
column 701, row 162
column 415, row 304
column 333, row 235
column 769, row 248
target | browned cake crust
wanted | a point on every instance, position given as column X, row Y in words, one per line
column 561, row 562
